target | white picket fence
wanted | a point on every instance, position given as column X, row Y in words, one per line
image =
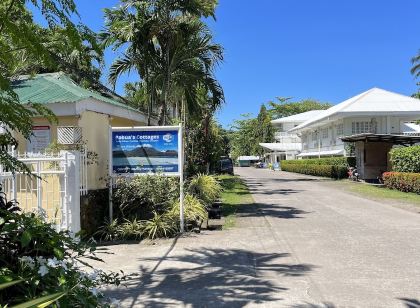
column 55, row 188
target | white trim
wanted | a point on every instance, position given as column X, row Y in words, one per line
column 322, row 153
column 95, row 105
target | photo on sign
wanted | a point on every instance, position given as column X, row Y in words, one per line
column 145, row 151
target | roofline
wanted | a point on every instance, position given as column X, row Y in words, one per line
column 349, row 102
column 98, row 106
column 343, row 115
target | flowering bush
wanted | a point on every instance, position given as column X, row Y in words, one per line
column 36, row 262
column 407, row 182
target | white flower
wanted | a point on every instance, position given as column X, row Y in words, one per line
column 28, row 261
column 41, row 260
column 95, row 291
column 115, row 303
column 63, row 264
column 94, row 275
column 43, row 270
column 53, row 262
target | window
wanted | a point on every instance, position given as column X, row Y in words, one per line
column 314, row 136
column 340, row 130
column 325, row 133
column 360, row 127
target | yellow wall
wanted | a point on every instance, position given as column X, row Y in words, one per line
column 121, row 122
column 62, row 121
column 95, row 131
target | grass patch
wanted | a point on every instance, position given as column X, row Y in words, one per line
column 235, row 194
column 380, row 193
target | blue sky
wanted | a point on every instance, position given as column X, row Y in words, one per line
column 325, row 49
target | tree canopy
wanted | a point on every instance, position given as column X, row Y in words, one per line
column 284, row 107
column 247, row 133
column 169, row 46
column 25, row 45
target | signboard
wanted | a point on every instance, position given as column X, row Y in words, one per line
column 40, row 139
column 140, row 150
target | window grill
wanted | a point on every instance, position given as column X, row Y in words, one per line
column 69, row 134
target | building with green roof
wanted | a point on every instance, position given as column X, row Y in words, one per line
column 82, row 113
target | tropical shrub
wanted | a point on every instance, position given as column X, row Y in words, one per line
column 406, row 182
column 406, row 159
column 160, row 225
column 41, row 265
column 334, row 161
column 109, row 231
column 206, row 188
column 194, row 211
column 131, row 229
column 331, row 171
column 143, row 194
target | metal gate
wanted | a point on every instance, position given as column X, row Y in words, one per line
column 54, row 188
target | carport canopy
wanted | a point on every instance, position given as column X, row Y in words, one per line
column 389, row 138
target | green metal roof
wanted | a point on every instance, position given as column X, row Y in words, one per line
column 56, row 88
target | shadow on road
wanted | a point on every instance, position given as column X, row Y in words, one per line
column 308, row 305
column 272, row 210
column 209, row 277
column 410, row 302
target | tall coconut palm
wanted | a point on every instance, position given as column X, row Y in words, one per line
column 167, row 45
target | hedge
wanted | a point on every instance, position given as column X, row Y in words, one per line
column 406, row 182
column 331, row 171
column 406, row 159
column 334, row 161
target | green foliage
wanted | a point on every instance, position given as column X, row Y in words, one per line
column 333, row 167
column 406, row 159
column 131, row 229
column 335, row 161
column 402, row 181
column 141, row 195
column 23, row 41
column 194, row 211
column 49, row 267
column 331, row 171
column 242, row 136
column 110, row 231
column 205, row 188
column 150, row 205
column 284, row 107
column 160, row 225
column 169, row 46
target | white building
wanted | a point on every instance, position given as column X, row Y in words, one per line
column 287, row 145
column 375, row 111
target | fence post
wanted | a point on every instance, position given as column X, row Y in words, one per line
column 72, row 190
column 38, row 186
column 14, row 186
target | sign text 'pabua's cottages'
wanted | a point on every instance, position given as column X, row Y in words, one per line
column 374, row 120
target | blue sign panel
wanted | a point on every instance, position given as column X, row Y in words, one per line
column 144, row 151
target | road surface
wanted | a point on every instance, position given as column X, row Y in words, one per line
column 304, row 244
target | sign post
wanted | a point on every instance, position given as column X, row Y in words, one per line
column 147, row 150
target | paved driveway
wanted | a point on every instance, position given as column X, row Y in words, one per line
column 305, row 244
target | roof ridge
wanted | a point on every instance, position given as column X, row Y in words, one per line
column 358, row 97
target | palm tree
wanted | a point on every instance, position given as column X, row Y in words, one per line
column 415, row 70
column 168, row 46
